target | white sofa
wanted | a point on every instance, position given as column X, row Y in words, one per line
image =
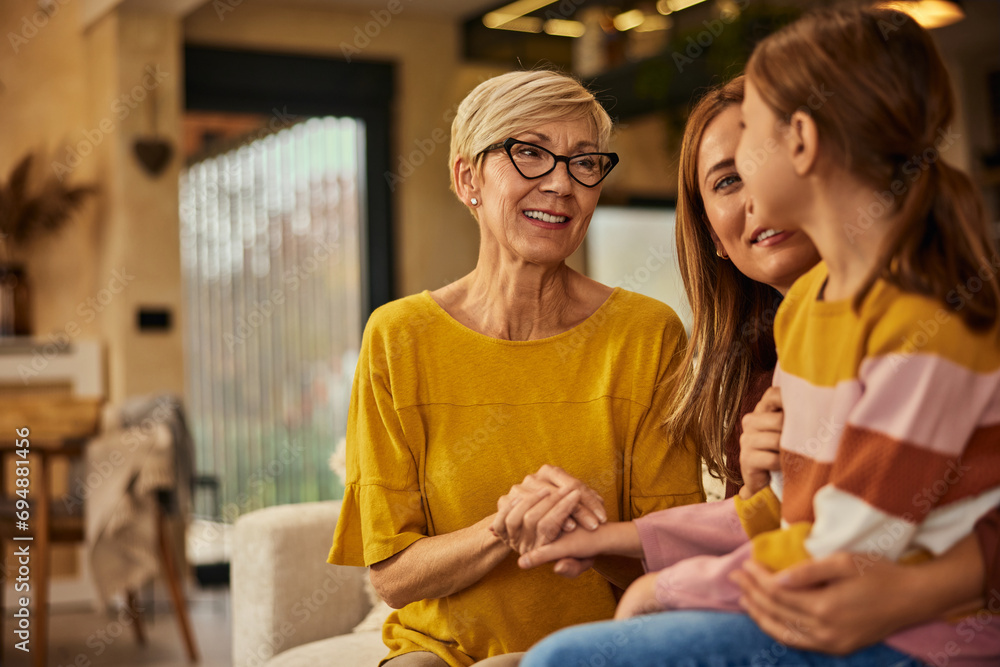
column 290, row 607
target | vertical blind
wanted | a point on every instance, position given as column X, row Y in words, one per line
column 271, row 251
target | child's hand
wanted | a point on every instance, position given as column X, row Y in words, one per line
column 759, row 443
column 621, row 538
column 577, row 544
column 640, row 598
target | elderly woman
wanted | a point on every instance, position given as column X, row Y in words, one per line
column 462, row 392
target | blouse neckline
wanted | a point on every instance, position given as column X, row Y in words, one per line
column 444, row 314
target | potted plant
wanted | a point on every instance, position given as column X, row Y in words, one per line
column 30, row 207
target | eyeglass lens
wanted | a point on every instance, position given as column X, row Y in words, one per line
column 532, row 162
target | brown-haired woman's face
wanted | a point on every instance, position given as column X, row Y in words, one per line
column 771, row 256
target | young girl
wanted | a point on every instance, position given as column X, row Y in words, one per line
column 888, row 355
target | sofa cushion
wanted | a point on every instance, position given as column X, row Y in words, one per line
column 284, row 593
column 360, row 649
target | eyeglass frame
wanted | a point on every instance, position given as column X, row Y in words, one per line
column 508, row 143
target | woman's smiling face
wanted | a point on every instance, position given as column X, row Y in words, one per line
column 765, row 254
column 541, row 220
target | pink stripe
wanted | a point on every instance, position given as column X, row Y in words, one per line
column 814, row 416
column 991, row 415
column 924, row 400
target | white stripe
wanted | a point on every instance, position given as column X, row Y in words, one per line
column 844, row 522
column 947, row 525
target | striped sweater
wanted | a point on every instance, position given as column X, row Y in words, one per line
column 890, row 448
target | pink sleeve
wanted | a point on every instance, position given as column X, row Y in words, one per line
column 703, row 582
column 674, row 534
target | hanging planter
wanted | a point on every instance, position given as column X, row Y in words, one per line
column 28, row 212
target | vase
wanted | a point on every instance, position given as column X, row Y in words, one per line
column 15, row 317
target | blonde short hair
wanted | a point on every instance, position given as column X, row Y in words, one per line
column 516, row 102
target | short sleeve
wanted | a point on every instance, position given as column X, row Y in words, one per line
column 664, row 471
column 382, row 511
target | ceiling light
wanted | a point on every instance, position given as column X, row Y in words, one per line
column 519, row 24
column 654, row 22
column 561, row 28
column 663, row 6
column 513, row 11
column 496, row 19
column 677, row 5
column 629, row 20
column 928, row 13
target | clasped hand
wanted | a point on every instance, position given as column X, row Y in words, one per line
column 544, row 506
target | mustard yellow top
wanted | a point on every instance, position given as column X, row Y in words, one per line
column 445, row 420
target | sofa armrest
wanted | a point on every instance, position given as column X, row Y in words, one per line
column 284, row 593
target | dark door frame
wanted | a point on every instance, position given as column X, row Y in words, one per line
column 271, row 83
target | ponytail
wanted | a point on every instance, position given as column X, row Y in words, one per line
column 943, row 248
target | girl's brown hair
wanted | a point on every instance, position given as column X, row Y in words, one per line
column 732, row 338
column 880, row 96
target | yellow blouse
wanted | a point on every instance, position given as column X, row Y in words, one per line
column 445, row 420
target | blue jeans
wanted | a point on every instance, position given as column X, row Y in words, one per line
column 690, row 639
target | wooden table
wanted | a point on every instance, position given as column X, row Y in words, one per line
column 58, row 426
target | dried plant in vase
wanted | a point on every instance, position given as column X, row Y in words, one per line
column 29, row 208
column 28, row 212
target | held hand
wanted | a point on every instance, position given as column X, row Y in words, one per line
column 826, row 605
column 545, row 504
column 759, row 443
column 579, row 544
column 640, row 598
column 620, row 538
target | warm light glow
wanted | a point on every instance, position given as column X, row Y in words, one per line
column 677, row 5
column 496, row 19
column 663, row 6
column 729, row 8
column 514, row 10
column 655, row 22
column 561, row 28
column 519, row 24
column 928, row 13
column 629, row 20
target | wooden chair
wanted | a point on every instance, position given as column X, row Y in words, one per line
column 52, row 522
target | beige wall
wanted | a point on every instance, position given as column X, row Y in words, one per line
column 84, row 96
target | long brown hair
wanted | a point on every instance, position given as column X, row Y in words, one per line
column 732, row 339
column 880, row 96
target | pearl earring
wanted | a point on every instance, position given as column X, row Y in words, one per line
column 475, row 202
